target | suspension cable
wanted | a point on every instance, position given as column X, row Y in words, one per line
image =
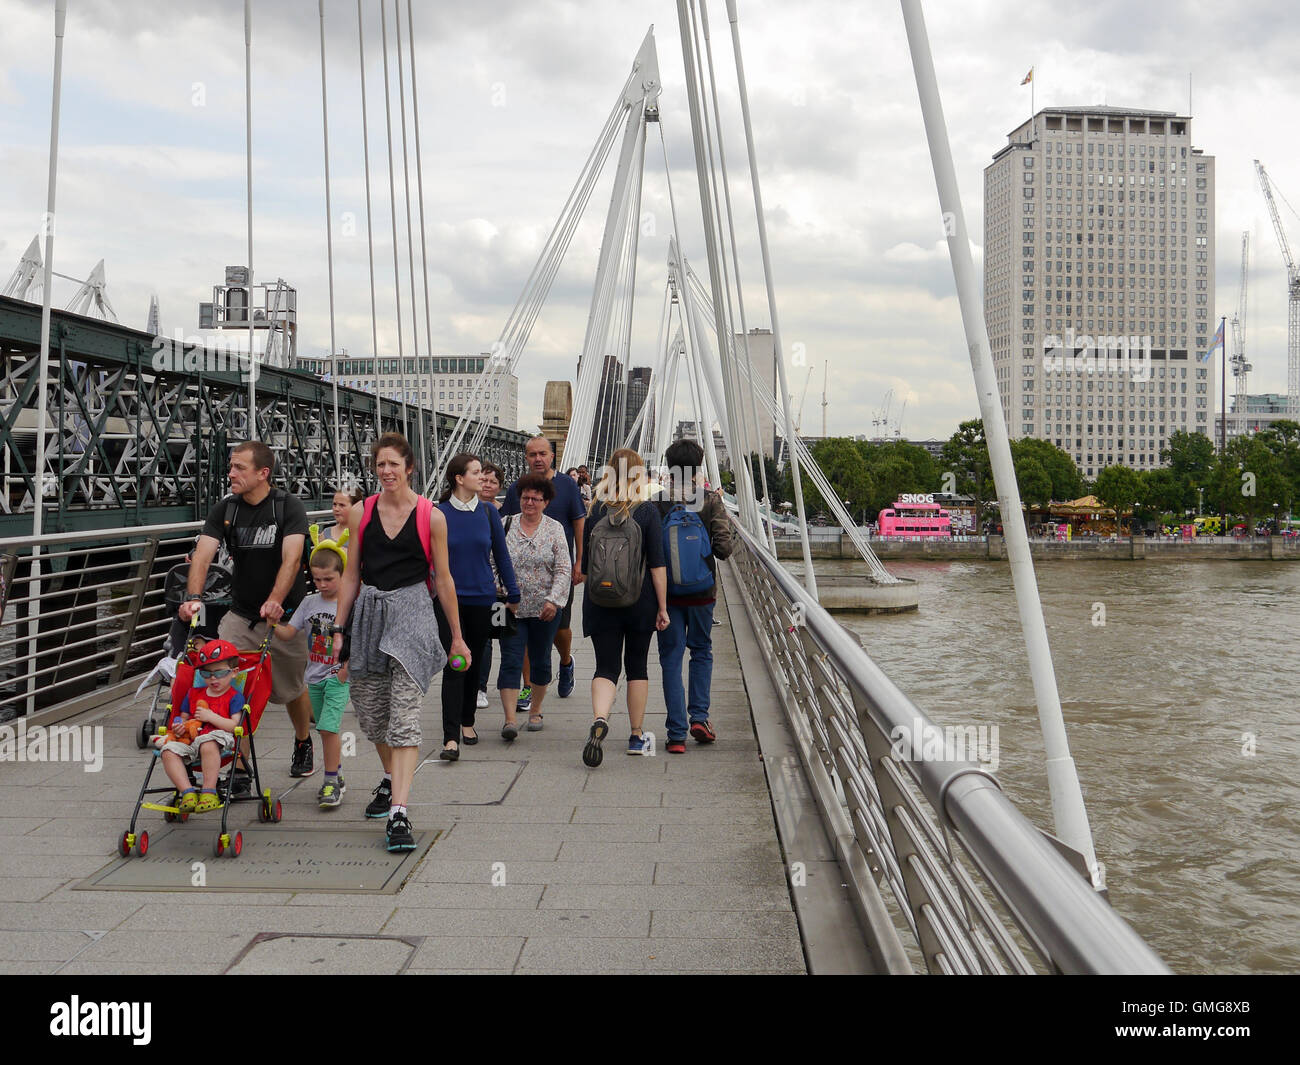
column 392, row 212
column 329, row 256
column 370, row 233
column 424, row 247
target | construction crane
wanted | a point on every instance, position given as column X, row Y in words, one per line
column 1293, row 299
column 881, row 421
column 824, row 365
column 1240, row 367
column 898, row 425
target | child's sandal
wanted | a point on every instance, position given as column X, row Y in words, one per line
column 208, row 801
column 189, row 801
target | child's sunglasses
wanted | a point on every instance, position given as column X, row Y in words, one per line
column 216, row 674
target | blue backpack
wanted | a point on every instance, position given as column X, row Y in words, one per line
column 686, row 550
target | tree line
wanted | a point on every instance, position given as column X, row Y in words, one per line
column 1245, row 482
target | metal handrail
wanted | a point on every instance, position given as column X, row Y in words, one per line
column 105, row 622
column 978, row 886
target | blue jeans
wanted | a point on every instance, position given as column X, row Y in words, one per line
column 538, row 636
column 689, row 627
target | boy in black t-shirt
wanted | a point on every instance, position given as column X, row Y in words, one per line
column 265, row 529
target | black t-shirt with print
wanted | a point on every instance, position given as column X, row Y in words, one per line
column 255, row 545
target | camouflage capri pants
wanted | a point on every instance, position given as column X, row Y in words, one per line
column 388, row 705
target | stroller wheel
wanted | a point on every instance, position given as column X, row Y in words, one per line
column 277, row 812
column 219, row 847
column 145, row 734
column 264, row 810
column 237, row 845
column 125, row 844
column 143, row 846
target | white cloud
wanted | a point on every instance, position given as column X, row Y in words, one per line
column 155, row 184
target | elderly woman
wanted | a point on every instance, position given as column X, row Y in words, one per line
column 540, row 554
column 399, row 546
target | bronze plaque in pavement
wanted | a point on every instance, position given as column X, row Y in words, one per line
column 274, row 858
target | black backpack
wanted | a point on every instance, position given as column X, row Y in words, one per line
column 278, row 497
column 615, row 560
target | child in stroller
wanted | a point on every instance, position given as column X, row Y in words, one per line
column 204, row 727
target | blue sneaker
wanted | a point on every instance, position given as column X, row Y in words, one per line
column 567, row 678
column 643, row 744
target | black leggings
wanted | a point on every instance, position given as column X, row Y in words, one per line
column 460, row 690
column 634, row 647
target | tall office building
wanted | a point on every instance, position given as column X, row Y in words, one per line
column 638, row 388
column 611, row 406
column 762, row 347
column 1104, row 218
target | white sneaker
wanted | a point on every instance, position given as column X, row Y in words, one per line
column 482, row 702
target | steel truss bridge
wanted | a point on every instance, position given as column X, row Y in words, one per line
column 130, row 444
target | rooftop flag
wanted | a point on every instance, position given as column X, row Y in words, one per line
column 1218, row 343
column 1028, row 77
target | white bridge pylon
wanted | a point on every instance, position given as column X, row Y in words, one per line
column 720, row 384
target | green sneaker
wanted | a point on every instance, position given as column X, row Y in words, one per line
column 331, row 792
column 525, row 700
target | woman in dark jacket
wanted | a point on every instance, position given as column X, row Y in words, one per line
column 475, row 539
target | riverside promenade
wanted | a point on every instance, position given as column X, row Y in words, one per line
column 527, row 862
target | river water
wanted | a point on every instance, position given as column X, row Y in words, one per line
column 1170, row 675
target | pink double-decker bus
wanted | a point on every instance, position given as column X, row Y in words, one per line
column 916, row 516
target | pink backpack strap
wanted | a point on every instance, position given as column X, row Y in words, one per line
column 367, row 512
column 424, row 525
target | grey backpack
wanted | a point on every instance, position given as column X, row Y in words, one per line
column 615, row 561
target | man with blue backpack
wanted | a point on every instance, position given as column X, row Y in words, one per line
column 697, row 533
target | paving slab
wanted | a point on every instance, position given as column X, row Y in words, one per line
column 322, row 955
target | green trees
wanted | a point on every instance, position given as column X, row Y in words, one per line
column 1066, row 481
column 966, row 456
column 1119, row 488
column 1190, row 458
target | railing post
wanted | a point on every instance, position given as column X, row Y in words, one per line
column 133, row 610
column 892, row 802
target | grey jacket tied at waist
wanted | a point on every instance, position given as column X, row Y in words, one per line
column 400, row 624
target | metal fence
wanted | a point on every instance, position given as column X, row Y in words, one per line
column 977, row 888
column 90, row 616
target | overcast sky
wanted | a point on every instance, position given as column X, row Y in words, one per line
column 512, row 95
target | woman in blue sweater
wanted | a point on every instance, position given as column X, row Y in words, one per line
column 475, row 538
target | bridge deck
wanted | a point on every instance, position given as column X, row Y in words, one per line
column 664, row 864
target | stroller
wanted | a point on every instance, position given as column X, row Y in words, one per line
column 253, row 682
column 216, row 601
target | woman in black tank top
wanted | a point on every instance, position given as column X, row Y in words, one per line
column 382, row 582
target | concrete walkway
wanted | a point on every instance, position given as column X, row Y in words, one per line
column 664, row 864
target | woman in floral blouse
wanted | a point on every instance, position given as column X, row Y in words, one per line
column 540, row 555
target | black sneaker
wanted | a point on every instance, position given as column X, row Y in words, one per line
column 303, row 762
column 399, row 834
column 592, row 755
column 383, row 799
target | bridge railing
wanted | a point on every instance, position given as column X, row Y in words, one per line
column 98, row 619
column 977, row 888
